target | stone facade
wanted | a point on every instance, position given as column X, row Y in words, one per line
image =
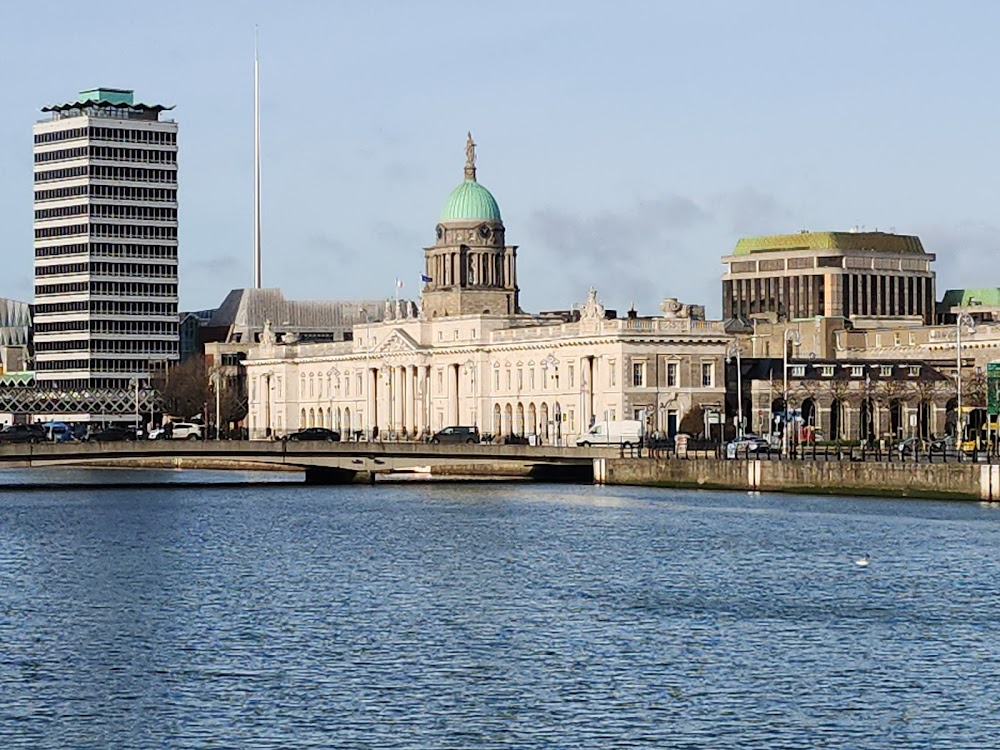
column 468, row 355
column 855, row 275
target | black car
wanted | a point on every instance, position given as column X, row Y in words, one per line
column 111, row 434
column 456, row 435
column 23, row 433
column 316, row 433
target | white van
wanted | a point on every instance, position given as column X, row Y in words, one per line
column 627, row 432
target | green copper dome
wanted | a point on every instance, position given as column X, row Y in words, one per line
column 470, row 201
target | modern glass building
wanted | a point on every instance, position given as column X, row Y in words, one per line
column 105, row 225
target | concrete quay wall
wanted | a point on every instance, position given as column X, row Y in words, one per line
column 966, row 481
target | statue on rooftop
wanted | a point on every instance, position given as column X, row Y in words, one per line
column 470, row 158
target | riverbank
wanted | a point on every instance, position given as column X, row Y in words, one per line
column 955, row 481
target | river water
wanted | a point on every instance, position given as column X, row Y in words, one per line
column 492, row 615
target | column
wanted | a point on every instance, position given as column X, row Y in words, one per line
column 455, row 401
column 371, row 400
column 408, row 420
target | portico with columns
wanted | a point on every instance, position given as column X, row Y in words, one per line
column 467, row 355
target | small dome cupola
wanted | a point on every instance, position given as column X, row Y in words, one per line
column 470, row 201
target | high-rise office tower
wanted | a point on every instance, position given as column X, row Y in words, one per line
column 105, row 241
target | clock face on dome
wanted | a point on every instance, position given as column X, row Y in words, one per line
column 484, row 232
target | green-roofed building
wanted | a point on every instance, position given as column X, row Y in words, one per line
column 470, row 270
column 861, row 276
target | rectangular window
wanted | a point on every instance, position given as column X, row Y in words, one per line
column 440, row 379
column 520, row 379
column 508, row 380
column 672, row 375
column 638, row 374
column 572, row 373
column 531, row 378
column 496, row 379
column 706, row 375
column 611, row 373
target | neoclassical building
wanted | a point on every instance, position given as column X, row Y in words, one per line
column 467, row 354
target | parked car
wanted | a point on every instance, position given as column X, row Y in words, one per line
column 316, row 434
column 23, row 433
column 111, row 434
column 516, row 440
column 749, row 443
column 456, row 435
column 58, row 432
column 626, row 432
column 183, row 431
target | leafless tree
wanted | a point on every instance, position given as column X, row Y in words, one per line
column 184, row 388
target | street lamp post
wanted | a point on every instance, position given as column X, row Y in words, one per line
column 136, row 407
column 963, row 319
column 734, row 350
column 334, row 377
column 386, row 371
column 470, row 369
column 793, row 336
column 551, row 360
column 216, row 384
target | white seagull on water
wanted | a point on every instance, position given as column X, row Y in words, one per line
column 863, row 561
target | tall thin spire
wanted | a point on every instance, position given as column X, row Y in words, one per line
column 256, row 164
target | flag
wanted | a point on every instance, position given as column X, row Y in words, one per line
column 399, row 283
column 425, row 278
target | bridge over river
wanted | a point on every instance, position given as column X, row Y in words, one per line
column 323, row 463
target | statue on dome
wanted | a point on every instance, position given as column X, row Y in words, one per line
column 470, row 158
column 388, row 310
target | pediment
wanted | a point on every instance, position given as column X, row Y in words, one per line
column 397, row 342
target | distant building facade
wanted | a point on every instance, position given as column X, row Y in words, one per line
column 468, row 355
column 851, row 275
column 105, row 243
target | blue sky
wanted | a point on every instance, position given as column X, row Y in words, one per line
column 629, row 144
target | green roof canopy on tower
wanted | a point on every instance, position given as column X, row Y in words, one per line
column 470, row 201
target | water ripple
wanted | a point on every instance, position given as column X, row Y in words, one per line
column 511, row 616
